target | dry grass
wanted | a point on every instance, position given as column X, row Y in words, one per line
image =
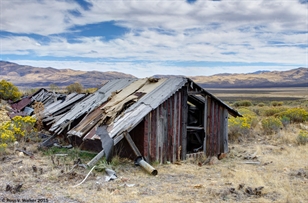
column 282, row 171
column 275, row 162
column 261, row 94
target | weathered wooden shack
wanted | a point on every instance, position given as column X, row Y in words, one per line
column 165, row 118
column 160, row 119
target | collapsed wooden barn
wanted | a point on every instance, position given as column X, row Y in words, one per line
column 162, row 119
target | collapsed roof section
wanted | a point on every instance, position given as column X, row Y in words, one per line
column 88, row 104
column 120, row 104
column 126, row 108
column 125, row 103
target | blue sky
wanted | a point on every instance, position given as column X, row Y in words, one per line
column 144, row 38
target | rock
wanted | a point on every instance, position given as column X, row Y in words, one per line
column 213, row 160
column 303, row 127
column 34, row 168
column 222, row 156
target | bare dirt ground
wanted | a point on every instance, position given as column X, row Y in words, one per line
column 259, row 170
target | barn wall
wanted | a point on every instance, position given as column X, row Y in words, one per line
column 162, row 135
column 163, row 130
column 216, row 128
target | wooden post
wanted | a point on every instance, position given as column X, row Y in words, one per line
column 184, row 121
column 132, row 144
column 225, row 131
column 205, row 124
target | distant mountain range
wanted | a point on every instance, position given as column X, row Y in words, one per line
column 292, row 78
column 32, row 77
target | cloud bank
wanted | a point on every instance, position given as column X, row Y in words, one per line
column 156, row 37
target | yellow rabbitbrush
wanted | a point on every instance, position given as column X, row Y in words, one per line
column 8, row 91
column 15, row 129
column 241, row 126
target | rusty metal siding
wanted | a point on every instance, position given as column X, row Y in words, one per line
column 216, row 142
column 174, row 129
column 225, row 131
column 170, row 128
column 184, row 115
column 146, row 137
column 162, row 131
column 210, row 123
column 221, row 135
column 153, row 135
column 179, row 130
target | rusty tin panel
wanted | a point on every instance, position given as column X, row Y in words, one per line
column 91, row 102
column 162, row 131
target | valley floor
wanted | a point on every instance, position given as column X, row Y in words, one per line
column 258, row 170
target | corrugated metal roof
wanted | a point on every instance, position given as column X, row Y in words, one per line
column 121, row 104
column 155, row 93
column 230, row 109
column 90, row 103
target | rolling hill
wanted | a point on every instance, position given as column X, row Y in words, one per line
column 30, row 77
column 292, row 78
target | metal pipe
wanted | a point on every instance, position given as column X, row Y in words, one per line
column 139, row 161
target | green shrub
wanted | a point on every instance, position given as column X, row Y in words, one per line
column 244, row 103
column 296, row 115
column 285, row 121
column 272, row 111
column 276, row 103
column 75, row 87
column 271, row 125
column 261, row 104
column 302, row 137
column 91, row 90
column 8, row 91
column 241, row 126
column 53, row 87
column 31, row 91
column 257, row 110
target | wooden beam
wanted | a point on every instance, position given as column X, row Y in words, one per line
column 195, row 128
column 205, row 124
column 194, row 92
column 132, row 144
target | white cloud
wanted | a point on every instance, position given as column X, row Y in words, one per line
column 50, row 17
column 161, row 31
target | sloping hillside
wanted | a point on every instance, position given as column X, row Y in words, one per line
column 291, row 78
column 28, row 76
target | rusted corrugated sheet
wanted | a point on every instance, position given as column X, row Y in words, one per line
column 162, row 131
column 206, row 93
column 20, row 105
column 216, row 132
column 111, row 108
column 90, row 103
column 134, row 114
